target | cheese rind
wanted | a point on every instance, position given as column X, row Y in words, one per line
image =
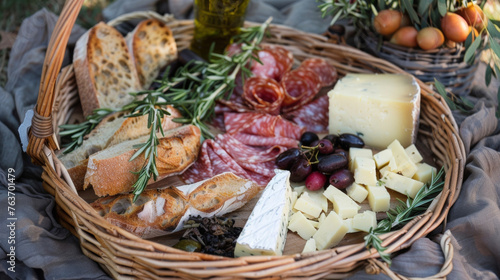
column 330, row 232
column 361, row 103
column 265, row 230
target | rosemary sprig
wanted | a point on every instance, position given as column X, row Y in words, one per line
column 403, row 213
column 76, row 132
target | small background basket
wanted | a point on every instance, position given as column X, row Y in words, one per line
column 444, row 64
column 123, row 255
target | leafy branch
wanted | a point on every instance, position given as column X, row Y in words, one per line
column 403, row 213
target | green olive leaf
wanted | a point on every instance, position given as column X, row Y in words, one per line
column 442, row 7
column 470, row 53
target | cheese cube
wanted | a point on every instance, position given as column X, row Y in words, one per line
column 343, row 205
column 300, row 224
column 321, row 218
column 293, row 198
column 358, row 152
column 299, row 190
column 318, row 198
column 382, row 158
column 357, row 192
column 364, row 171
column 331, row 232
column 378, row 198
column 310, row 246
column 401, row 184
column 348, row 224
column 364, row 221
column 307, row 205
column 377, row 107
column 413, row 153
column 424, row 173
column 315, row 224
column 266, row 228
column 404, row 163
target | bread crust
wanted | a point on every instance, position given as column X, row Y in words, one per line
column 111, row 172
column 104, row 70
column 153, row 47
column 163, row 211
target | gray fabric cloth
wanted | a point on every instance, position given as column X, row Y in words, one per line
column 45, row 250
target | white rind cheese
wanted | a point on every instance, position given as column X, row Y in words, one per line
column 377, row 107
column 266, row 228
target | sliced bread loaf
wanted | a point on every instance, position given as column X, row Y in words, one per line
column 104, row 71
column 111, row 171
column 112, row 130
column 152, row 46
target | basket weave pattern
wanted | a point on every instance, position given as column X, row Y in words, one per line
column 124, row 255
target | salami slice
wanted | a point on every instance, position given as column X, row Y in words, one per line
column 261, row 124
column 284, row 59
column 267, row 67
column 300, row 86
column 245, row 153
column 263, row 95
column 313, row 116
column 326, row 73
column 256, row 140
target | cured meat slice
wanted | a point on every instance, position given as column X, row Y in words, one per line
column 300, row 86
column 245, row 153
column 284, row 59
column 201, row 168
column 263, row 95
column 261, row 124
column 267, row 67
column 313, row 116
column 326, row 73
column 256, row 140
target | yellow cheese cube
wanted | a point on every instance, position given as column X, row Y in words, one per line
column 364, row 171
column 299, row 224
column 315, row 224
column 382, row 158
column 401, row 184
column 318, row 198
column 310, row 246
column 321, row 218
column 378, row 107
column 343, row 205
column 307, row 205
column 357, row 192
column 358, row 152
column 331, row 232
column 378, row 198
column 404, row 163
column 424, row 173
column 414, row 154
column 364, row 221
column 348, row 224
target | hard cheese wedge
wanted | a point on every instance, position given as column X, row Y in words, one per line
column 266, row 228
column 377, row 107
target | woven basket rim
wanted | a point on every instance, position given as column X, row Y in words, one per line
column 112, row 241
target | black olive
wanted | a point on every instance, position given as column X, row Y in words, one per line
column 347, row 140
column 308, row 138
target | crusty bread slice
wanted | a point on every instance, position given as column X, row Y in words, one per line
column 163, row 211
column 152, row 46
column 112, row 130
column 111, row 171
column 104, row 70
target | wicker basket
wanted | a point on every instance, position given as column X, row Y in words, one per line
column 444, row 64
column 123, row 255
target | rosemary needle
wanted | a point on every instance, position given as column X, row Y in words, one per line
column 403, row 213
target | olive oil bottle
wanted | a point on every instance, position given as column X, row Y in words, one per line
column 215, row 23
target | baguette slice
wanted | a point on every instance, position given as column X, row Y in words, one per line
column 111, row 172
column 112, row 130
column 162, row 211
column 104, row 70
column 152, row 46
